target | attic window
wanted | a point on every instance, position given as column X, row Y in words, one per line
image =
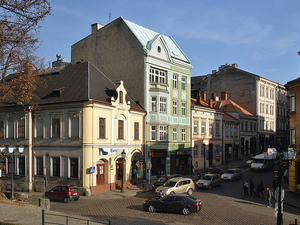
column 159, row 49
column 57, row 92
column 121, row 97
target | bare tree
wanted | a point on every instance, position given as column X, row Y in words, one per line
column 19, row 29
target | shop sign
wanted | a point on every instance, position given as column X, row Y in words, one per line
column 112, row 151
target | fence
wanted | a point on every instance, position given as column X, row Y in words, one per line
column 49, row 218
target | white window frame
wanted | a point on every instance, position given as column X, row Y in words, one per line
column 175, row 83
column 196, row 127
column 163, row 104
column 183, row 134
column 152, row 130
column 203, row 127
column 69, row 168
column 293, row 103
column 293, row 136
column 154, row 103
column 157, row 76
column 196, row 151
column 163, row 133
column 183, row 108
column 175, row 108
column 175, row 134
column 183, row 83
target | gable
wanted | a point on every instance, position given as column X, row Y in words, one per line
column 159, row 49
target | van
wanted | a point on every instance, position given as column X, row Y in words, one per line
column 260, row 162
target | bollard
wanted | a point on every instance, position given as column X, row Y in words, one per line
column 145, row 184
column 295, row 221
column 109, row 222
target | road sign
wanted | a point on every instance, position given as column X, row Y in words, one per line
column 92, row 169
column 276, row 173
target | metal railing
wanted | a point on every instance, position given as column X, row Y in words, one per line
column 62, row 219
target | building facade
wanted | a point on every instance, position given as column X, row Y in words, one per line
column 76, row 134
column 252, row 92
column 158, row 74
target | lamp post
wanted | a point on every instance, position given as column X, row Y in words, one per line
column 123, row 155
column 12, row 151
column 204, row 149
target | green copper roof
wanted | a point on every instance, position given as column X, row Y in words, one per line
column 147, row 37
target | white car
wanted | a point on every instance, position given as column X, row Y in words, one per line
column 249, row 161
column 176, row 186
column 232, row 174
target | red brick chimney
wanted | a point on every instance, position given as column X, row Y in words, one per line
column 203, row 95
column 213, row 96
column 224, row 95
column 210, row 102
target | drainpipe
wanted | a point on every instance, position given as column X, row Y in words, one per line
column 30, row 148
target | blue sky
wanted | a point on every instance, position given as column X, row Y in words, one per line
column 260, row 36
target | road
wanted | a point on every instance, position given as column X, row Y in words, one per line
column 221, row 205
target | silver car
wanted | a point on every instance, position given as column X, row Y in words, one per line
column 209, row 180
column 232, row 174
column 176, row 185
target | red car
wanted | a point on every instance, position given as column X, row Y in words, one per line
column 64, row 193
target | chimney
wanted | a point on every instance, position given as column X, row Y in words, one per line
column 203, row 95
column 96, row 26
column 234, row 65
column 213, row 96
column 224, row 95
column 210, row 103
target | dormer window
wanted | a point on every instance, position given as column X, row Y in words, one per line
column 121, row 97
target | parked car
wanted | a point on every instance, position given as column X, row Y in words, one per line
column 164, row 179
column 211, row 170
column 260, row 162
column 249, row 161
column 174, row 203
column 176, row 185
column 232, row 174
column 64, row 193
column 209, row 180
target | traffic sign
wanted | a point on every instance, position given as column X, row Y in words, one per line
column 92, row 169
column 276, row 173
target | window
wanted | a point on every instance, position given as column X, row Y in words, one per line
column 121, row 97
column 183, row 86
column 235, row 131
column 175, row 134
column 183, row 104
column 153, row 104
column 231, row 131
column 196, row 151
column 202, row 127
column 39, row 166
column 175, row 81
column 267, row 125
column 39, row 128
column 267, row 92
column 157, row 76
column 163, row 104
column 21, row 128
column 262, row 89
column 74, row 126
column 120, row 129
column 183, row 134
column 195, row 127
column 217, row 128
column 55, row 127
column 271, row 93
column 293, row 137
column 74, row 167
column 251, row 126
column 246, row 126
column 211, row 131
column 262, row 124
column 292, row 103
column 102, row 122
column 22, row 165
column 242, row 125
column 267, row 108
column 153, row 133
column 163, row 133
column 1, row 129
column 174, row 107
column 254, row 126
column 203, row 150
column 136, row 130
column 10, row 127
column 226, row 131
column 56, row 166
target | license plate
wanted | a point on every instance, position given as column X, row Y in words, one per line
column 75, row 194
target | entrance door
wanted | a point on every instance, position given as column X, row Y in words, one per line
column 119, row 170
column 100, row 173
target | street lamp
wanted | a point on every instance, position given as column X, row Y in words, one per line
column 123, row 155
column 204, row 149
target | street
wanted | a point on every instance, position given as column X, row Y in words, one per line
column 221, row 205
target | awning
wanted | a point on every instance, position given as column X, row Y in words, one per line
column 137, row 156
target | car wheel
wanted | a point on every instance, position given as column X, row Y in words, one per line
column 66, row 200
column 209, row 187
column 172, row 192
column 151, row 208
column 190, row 191
column 76, row 199
column 186, row 211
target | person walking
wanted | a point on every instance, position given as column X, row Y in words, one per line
column 245, row 187
column 251, row 187
column 269, row 197
column 274, row 184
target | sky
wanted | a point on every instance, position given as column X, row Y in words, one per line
column 261, row 36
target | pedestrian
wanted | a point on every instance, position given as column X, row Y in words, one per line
column 285, row 176
column 226, row 162
column 269, row 197
column 274, row 184
column 251, row 187
column 245, row 187
column 261, row 188
column 257, row 189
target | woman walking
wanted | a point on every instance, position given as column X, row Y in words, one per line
column 252, row 187
column 245, row 187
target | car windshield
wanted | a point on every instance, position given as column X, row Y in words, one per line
column 206, row 178
column 230, row 171
column 258, row 160
column 170, row 183
column 73, row 188
column 162, row 179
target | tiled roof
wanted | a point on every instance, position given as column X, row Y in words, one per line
column 146, row 37
column 201, row 103
column 75, row 83
column 228, row 117
column 231, row 106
